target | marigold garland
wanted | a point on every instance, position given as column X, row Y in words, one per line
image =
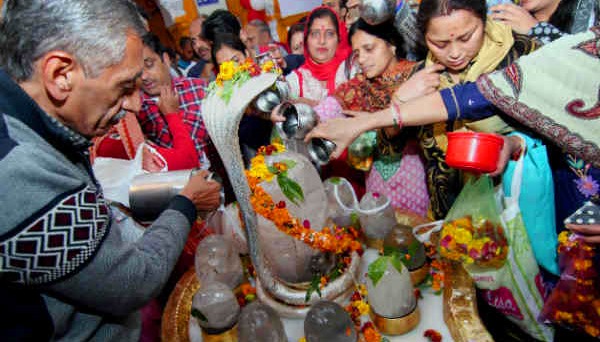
column 337, row 239
column 233, row 74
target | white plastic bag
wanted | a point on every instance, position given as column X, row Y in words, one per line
column 115, row 175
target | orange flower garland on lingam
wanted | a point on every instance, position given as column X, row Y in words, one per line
column 337, row 239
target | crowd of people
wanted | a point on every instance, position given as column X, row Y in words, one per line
column 85, row 79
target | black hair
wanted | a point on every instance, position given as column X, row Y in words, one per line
column 564, row 15
column 429, row 9
column 226, row 39
column 323, row 12
column 220, row 21
column 297, row 27
column 385, row 31
column 152, row 42
column 184, row 40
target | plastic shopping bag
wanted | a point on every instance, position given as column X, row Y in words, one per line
column 515, row 289
column 536, row 201
column 575, row 301
column 472, row 232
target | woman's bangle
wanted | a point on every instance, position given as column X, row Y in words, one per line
column 396, row 115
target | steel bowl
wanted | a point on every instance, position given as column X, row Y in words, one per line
column 375, row 12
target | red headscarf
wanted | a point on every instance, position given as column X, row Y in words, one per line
column 326, row 71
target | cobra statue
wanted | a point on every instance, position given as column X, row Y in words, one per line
column 222, row 122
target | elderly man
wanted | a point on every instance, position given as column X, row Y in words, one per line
column 68, row 72
column 258, row 35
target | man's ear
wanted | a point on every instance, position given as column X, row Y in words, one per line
column 59, row 72
column 166, row 59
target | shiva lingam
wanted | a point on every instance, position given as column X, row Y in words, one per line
column 285, row 263
column 216, row 309
column 394, row 309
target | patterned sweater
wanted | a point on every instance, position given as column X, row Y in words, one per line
column 65, row 270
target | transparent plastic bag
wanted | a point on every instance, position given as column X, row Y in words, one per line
column 472, row 232
column 575, row 301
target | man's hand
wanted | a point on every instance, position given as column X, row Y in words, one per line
column 276, row 55
column 589, row 232
column 205, row 194
column 168, row 101
column 518, row 18
column 424, row 82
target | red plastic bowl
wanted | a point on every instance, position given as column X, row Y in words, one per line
column 475, row 152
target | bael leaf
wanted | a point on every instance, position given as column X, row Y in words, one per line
column 396, row 261
column 377, row 269
column 197, row 314
column 290, row 188
column 272, row 169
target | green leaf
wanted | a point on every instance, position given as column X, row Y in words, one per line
column 413, row 248
column 289, row 163
column 335, row 180
column 290, row 189
column 390, row 250
column 396, row 261
column 377, row 269
column 197, row 314
column 384, row 339
column 354, row 220
column 272, row 169
column 314, row 286
column 579, row 165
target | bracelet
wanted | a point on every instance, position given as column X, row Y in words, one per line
column 396, row 115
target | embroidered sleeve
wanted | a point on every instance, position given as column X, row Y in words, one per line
column 545, row 32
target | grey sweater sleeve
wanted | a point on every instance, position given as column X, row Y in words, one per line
column 57, row 234
column 123, row 277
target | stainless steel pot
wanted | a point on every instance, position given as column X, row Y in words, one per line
column 320, row 150
column 270, row 98
column 375, row 12
column 300, row 118
column 150, row 194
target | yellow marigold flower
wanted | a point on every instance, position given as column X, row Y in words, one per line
column 279, row 147
column 362, row 289
column 302, row 339
column 362, row 307
column 227, row 70
column 563, row 236
column 462, row 236
column 268, row 66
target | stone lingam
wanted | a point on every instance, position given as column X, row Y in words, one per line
column 284, row 208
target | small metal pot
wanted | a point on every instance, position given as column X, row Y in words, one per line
column 270, row 98
column 266, row 101
column 320, row 150
column 151, row 193
column 300, row 118
column 375, row 12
